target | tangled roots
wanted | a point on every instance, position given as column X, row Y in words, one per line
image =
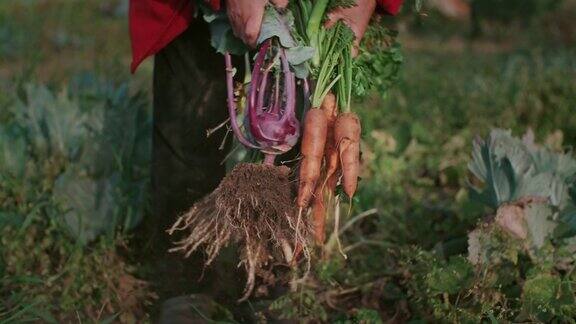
column 254, row 207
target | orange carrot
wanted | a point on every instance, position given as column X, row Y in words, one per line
column 331, row 151
column 331, row 164
column 347, row 136
column 313, row 142
column 319, row 215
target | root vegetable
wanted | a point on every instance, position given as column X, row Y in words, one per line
column 313, row 142
column 319, row 215
column 347, row 136
column 330, row 109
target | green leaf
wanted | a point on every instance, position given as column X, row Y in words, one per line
column 545, row 185
column 377, row 66
column 298, row 58
column 497, row 174
column 538, row 217
column 13, row 155
column 451, row 278
column 567, row 222
column 540, row 295
column 55, row 124
column 222, row 37
column 277, row 25
column 299, row 54
column 88, row 204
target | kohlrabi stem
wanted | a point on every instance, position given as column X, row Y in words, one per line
column 276, row 103
column 232, row 104
column 269, row 159
column 261, row 92
column 289, row 86
column 256, row 74
column 313, row 28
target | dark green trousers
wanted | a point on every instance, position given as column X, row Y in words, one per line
column 189, row 98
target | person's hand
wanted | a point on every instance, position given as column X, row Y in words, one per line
column 246, row 17
column 357, row 18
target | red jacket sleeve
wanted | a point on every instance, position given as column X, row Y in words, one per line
column 391, row 7
column 155, row 23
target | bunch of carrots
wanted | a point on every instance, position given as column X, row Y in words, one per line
column 331, row 136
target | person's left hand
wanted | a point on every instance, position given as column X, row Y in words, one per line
column 357, row 18
column 246, row 17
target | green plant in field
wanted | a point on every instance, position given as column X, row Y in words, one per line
column 518, row 265
column 302, row 304
column 531, row 187
column 512, row 169
column 97, row 147
column 73, row 172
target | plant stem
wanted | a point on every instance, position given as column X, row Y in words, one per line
column 269, row 159
column 232, row 104
column 313, row 28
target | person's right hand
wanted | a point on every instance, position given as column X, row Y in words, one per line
column 246, row 17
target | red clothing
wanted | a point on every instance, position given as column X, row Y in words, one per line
column 155, row 23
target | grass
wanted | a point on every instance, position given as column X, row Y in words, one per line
column 417, row 143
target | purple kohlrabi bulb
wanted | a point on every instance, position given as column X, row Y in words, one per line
column 275, row 128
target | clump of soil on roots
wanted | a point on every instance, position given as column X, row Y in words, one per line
column 254, row 207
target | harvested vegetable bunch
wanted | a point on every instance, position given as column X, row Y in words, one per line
column 253, row 205
column 321, row 149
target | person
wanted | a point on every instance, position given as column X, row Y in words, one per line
column 189, row 92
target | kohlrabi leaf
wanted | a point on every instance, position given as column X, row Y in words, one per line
column 275, row 24
column 222, row 37
column 298, row 58
column 300, row 54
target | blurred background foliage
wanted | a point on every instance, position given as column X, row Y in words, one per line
column 423, row 244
